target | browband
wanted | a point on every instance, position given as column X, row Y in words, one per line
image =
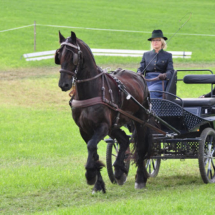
column 71, row 45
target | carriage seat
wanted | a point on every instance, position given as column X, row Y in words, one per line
column 199, row 79
column 198, row 102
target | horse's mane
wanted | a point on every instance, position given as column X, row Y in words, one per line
column 88, row 49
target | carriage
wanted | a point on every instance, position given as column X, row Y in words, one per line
column 103, row 102
column 188, row 126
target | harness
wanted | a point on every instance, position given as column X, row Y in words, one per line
column 103, row 100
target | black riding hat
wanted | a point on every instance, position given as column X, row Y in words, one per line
column 156, row 34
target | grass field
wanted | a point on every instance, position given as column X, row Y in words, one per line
column 42, row 155
column 197, row 35
column 42, row 161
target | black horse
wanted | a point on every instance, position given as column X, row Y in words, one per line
column 100, row 108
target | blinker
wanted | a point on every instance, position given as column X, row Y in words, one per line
column 75, row 58
column 57, row 60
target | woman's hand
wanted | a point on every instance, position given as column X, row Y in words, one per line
column 139, row 72
column 162, row 76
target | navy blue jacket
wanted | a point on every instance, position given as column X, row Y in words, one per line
column 161, row 63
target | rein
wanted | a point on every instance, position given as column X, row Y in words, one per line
column 156, row 79
column 153, row 79
column 89, row 79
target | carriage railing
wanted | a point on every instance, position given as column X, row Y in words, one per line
column 166, row 109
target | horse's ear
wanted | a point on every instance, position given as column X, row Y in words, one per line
column 61, row 38
column 73, row 36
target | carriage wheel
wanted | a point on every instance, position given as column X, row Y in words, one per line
column 111, row 154
column 152, row 167
column 206, row 155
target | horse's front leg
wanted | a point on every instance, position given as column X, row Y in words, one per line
column 93, row 165
column 119, row 165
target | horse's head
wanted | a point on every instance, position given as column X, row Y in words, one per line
column 69, row 57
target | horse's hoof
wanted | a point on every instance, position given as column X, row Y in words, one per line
column 139, row 185
column 95, row 191
column 92, row 181
column 122, row 180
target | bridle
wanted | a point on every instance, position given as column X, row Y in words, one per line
column 76, row 57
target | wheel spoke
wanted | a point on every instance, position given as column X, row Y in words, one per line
column 153, row 164
column 209, row 149
column 211, row 174
column 116, row 148
column 150, row 169
column 208, row 173
column 206, row 161
column 209, row 163
column 147, row 164
column 213, row 164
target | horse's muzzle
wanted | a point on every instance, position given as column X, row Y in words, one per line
column 64, row 86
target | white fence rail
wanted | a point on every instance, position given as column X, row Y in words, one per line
column 104, row 52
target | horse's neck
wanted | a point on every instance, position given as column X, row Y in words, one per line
column 91, row 88
column 88, row 70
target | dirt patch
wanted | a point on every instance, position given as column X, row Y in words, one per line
column 38, row 87
column 32, row 88
column 39, row 72
column 22, row 73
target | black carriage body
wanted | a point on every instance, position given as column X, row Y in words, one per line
column 189, row 116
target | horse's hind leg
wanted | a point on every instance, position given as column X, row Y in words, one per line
column 141, row 148
column 119, row 165
column 94, row 166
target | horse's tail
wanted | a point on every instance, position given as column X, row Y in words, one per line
column 143, row 140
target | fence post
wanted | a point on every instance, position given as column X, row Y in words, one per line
column 34, row 35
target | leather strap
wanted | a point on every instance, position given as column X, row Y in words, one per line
column 153, row 79
column 67, row 71
column 163, row 89
column 71, row 45
column 86, row 102
column 98, row 100
column 89, row 79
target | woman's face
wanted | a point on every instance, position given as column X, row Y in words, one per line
column 156, row 43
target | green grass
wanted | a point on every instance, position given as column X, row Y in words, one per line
column 42, row 171
column 119, row 15
column 42, row 160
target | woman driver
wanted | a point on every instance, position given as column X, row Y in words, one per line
column 156, row 63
